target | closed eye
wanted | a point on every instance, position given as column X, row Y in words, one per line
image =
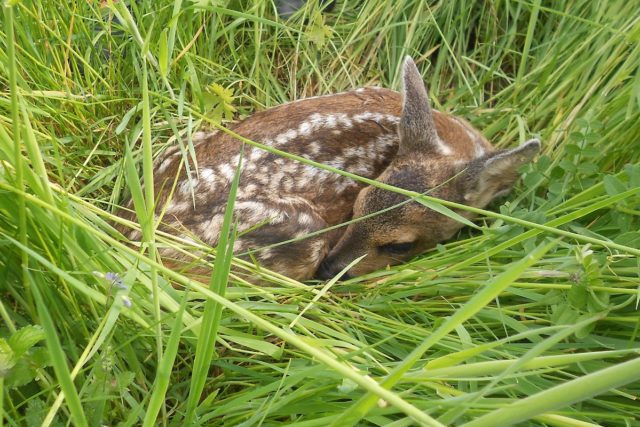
column 396, row 248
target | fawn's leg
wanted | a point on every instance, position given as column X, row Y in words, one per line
column 290, row 220
column 263, row 225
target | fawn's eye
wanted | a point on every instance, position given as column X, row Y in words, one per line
column 396, row 248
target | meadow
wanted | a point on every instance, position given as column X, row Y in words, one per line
column 529, row 319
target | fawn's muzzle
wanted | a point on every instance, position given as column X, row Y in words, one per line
column 328, row 270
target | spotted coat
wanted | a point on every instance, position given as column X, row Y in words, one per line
column 280, row 199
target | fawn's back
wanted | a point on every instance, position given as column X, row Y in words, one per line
column 280, row 199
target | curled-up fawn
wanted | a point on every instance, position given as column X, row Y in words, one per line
column 376, row 133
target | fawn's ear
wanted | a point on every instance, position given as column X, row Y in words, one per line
column 494, row 175
column 416, row 129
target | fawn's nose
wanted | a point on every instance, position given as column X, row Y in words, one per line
column 329, row 270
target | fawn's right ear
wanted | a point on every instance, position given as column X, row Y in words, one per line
column 489, row 177
column 416, row 128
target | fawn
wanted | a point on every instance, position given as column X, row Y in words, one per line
column 372, row 132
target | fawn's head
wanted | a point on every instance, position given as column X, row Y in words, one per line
column 424, row 164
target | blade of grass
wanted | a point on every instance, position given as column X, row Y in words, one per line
column 325, row 289
column 37, row 163
column 58, row 359
column 213, row 310
column 15, row 127
column 533, row 19
column 148, row 229
column 165, row 367
column 497, row 366
column 562, row 395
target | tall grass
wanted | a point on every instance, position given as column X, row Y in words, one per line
column 532, row 318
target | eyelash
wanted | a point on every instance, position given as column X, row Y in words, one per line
column 396, row 248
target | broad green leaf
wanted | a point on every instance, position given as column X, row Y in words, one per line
column 25, row 338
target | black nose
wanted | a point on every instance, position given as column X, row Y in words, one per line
column 328, row 270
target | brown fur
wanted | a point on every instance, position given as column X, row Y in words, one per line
column 372, row 132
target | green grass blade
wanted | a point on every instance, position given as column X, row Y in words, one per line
column 213, row 311
column 562, row 395
column 165, row 366
column 497, row 366
column 16, row 129
column 59, row 360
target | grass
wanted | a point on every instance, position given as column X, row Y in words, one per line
column 531, row 319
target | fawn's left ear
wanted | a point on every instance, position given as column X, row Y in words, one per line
column 493, row 176
column 416, row 128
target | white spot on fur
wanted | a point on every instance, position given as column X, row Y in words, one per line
column 355, row 152
column 300, row 233
column 336, row 162
column 255, row 154
column 316, row 120
column 315, row 148
column 385, row 141
column 310, row 175
column 305, row 219
column 210, row 230
column 305, row 128
column 227, row 171
column 187, row 185
column 135, row 235
column 391, row 118
column 344, row 120
column 287, row 185
column 362, row 168
column 164, row 165
column 265, row 254
column 207, row 176
column 276, row 178
column 255, row 212
column 362, row 117
column 249, row 191
column 286, row 137
column 289, row 168
column 174, row 208
column 200, row 136
column 443, row 147
column 238, row 246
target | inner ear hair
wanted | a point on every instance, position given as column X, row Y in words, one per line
column 417, row 129
column 493, row 174
column 505, row 161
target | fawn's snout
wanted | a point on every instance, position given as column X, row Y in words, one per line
column 328, row 270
